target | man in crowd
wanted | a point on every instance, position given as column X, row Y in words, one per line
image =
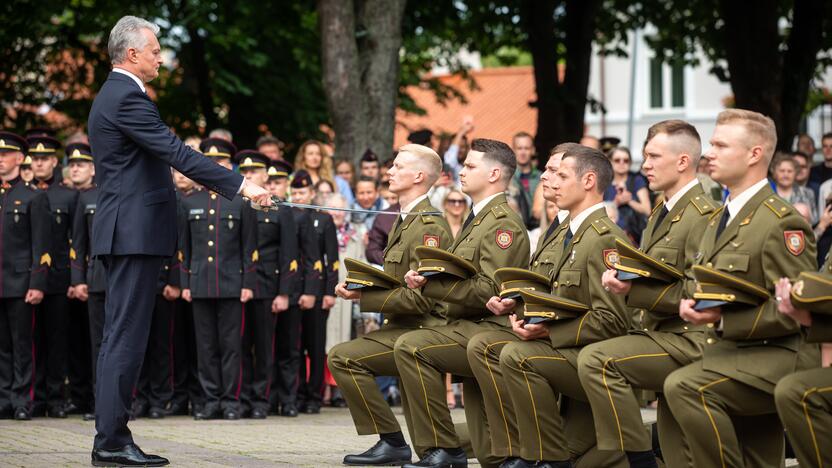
column 370, row 165
column 271, row 147
column 355, row 364
column 367, row 198
column 492, row 236
column 526, row 177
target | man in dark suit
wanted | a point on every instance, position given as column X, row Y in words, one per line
column 135, row 224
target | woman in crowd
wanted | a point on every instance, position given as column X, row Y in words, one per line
column 345, row 170
column 629, row 192
column 783, row 171
column 314, row 158
column 324, row 187
column 456, row 209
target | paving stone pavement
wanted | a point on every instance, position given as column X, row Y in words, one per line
column 308, row 440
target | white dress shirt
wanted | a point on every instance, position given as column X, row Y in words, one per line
column 671, row 202
column 412, row 205
column 134, row 77
column 479, row 206
column 735, row 203
column 575, row 223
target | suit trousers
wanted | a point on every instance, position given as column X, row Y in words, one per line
column 128, row 310
column 313, row 348
column 95, row 313
column 287, row 360
column 52, row 341
column 726, row 423
column 219, row 325
column 186, row 386
column 610, row 371
column 17, row 354
column 155, row 381
column 258, row 355
column 79, row 370
column 804, row 402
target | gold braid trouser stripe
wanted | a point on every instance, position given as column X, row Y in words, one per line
column 358, row 387
column 425, row 390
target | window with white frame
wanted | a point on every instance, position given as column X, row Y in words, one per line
column 667, row 84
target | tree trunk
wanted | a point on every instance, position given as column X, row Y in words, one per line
column 560, row 105
column 205, row 96
column 360, row 45
column 763, row 78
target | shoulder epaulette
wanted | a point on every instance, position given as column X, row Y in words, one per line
column 500, row 211
column 427, row 218
column 717, row 212
column 778, row 206
column 659, row 202
column 602, row 225
column 703, row 204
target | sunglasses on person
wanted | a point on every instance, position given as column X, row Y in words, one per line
column 455, row 202
column 621, row 160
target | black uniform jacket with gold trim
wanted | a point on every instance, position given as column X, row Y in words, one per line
column 277, row 248
column 323, row 228
column 495, row 238
column 311, row 264
column 62, row 202
column 577, row 276
column 25, row 231
column 404, row 307
column 86, row 269
column 765, row 241
column 219, row 245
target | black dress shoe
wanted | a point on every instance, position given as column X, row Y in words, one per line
column 207, row 414
column 231, row 415
column 553, row 464
column 289, row 410
column 59, row 413
column 156, row 413
column 516, row 462
column 440, row 458
column 89, row 417
column 338, row 403
column 177, row 409
column 312, row 408
column 258, row 413
column 381, row 454
column 129, row 455
column 22, row 414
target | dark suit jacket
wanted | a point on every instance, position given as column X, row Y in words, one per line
column 133, row 150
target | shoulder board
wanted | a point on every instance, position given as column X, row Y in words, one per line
column 703, row 204
column 500, row 211
column 602, row 225
column 717, row 212
column 427, row 218
column 778, row 206
column 659, row 202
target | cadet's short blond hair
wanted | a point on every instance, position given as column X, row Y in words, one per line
column 431, row 162
column 760, row 127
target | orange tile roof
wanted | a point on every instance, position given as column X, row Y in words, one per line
column 500, row 106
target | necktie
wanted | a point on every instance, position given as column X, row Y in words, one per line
column 662, row 215
column 468, row 220
column 568, row 238
column 551, row 229
column 723, row 221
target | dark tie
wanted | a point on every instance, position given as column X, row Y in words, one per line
column 468, row 220
column 568, row 238
column 662, row 215
column 551, row 229
column 723, row 221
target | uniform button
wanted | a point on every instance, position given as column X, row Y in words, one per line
column 710, row 341
column 196, row 217
column 536, row 263
column 555, row 284
column 230, row 216
column 646, row 329
column 710, row 325
column 765, row 341
column 210, row 259
column 386, row 321
column 709, row 265
column 211, row 211
column 213, row 196
column 267, row 220
column 662, row 259
column 210, row 243
column 210, row 227
column 167, row 267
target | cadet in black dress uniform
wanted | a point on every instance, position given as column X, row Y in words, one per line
column 313, row 320
column 87, row 273
column 219, row 261
column 24, row 268
column 307, row 286
column 277, row 245
column 53, row 312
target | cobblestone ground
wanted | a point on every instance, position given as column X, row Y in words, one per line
column 308, row 440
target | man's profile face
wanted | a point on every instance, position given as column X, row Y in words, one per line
column 660, row 163
column 81, row 172
column 729, row 153
column 524, row 150
column 366, row 194
column 549, row 175
column 568, row 187
column 149, row 59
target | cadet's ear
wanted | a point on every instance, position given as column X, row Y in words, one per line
column 590, row 181
column 684, row 162
column 495, row 174
column 756, row 155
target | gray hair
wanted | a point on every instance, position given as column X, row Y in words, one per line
column 126, row 34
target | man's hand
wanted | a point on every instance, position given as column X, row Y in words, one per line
column 34, row 296
column 186, row 295
column 698, row 317
column 414, row 280
column 344, row 293
column 532, row 331
column 70, row 292
column 280, row 304
column 611, row 283
column 328, row 302
column 246, row 295
column 782, row 291
column 306, row 301
column 258, row 195
column 82, row 292
column 171, row 293
column 500, row 306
